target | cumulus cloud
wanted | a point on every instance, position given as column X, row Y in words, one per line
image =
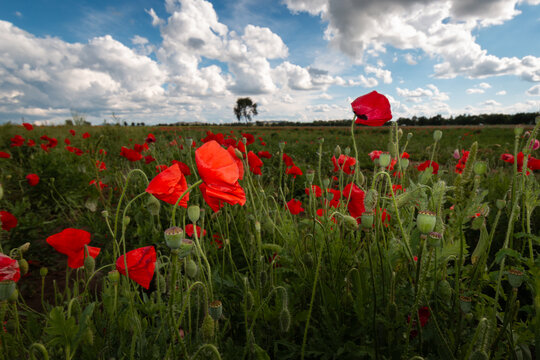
column 410, row 59
column 429, row 96
column 501, row 93
column 384, row 75
column 534, row 91
column 474, row 91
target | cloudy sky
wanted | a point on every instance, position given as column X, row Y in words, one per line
column 189, row 60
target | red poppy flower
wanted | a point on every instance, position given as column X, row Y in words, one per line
column 189, row 231
column 148, row 159
column 72, row 132
column 4, row 155
column 288, row 160
column 216, row 240
column 183, row 167
column 150, row 138
column 72, row 149
column 295, row 206
column 28, row 126
column 344, row 162
column 264, row 154
column 9, row 269
column 8, row 220
column 52, row 142
column 294, row 170
column 372, row 109
column 532, row 163
column 32, row 179
column 255, row 163
column 130, row 154
column 140, row 148
column 169, row 185
column 71, row 242
column 161, row 168
column 249, row 138
column 238, row 161
column 335, row 200
column 423, row 166
column 30, row 143
column 405, row 155
column 375, row 154
column 67, row 141
column 316, row 190
column 220, row 173
column 460, row 166
column 17, row 141
column 356, row 201
column 100, row 184
column 101, row 166
column 141, row 264
column 85, row 135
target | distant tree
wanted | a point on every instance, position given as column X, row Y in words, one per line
column 245, row 108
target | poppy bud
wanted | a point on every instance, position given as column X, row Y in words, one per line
column 89, row 262
column 105, row 213
column 445, row 289
column 7, row 288
column 215, row 310
column 284, row 320
column 153, row 205
column 437, row 135
column 125, row 221
column 14, row 295
column 337, row 151
column 238, row 153
column 409, row 136
column 114, row 276
column 24, row 247
column 367, row 219
column 1, row 192
column 404, row 163
column 281, row 146
column 361, row 178
column 310, row 176
column 347, row 151
column 326, row 183
column 189, row 142
column 515, row 277
column 257, row 226
column 480, row 167
column 194, row 213
column 384, row 159
column 191, row 268
column 371, row 199
column 399, row 133
column 43, row 271
column 518, row 131
column 350, row 222
column 500, row 203
column 23, row 266
column 208, row 328
column 174, row 237
column 425, row 221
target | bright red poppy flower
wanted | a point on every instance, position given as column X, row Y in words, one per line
column 426, row 164
column 288, row 160
column 460, row 166
column 295, row 206
column 238, row 161
column 264, row 154
column 316, row 190
column 141, row 264
column 150, row 138
column 375, row 154
column 71, row 242
column 67, row 141
column 101, row 166
column 255, row 163
column 100, row 184
column 28, row 126
column 220, row 173
column 30, row 143
column 294, row 170
column 71, row 149
column 169, row 185
column 250, row 139
column 405, row 155
column 8, row 220
column 17, row 141
column 130, row 154
column 189, row 231
column 161, row 168
column 72, row 132
column 148, row 159
column 532, row 163
column 140, row 148
column 372, row 109
column 33, row 179
column 344, row 162
column 356, row 201
column 336, row 196
column 4, row 155
column 9, row 269
column 183, row 167
column 85, row 135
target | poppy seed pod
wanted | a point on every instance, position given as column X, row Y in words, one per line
column 465, row 303
column 173, row 237
column 500, row 203
column 215, row 310
column 43, row 271
column 337, row 151
column 114, row 276
column 425, row 221
column 437, row 135
column 384, row 159
column 515, row 277
column 480, row 167
column 194, row 213
column 310, row 176
column 347, row 151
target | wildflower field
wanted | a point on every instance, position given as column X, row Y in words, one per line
column 368, row 242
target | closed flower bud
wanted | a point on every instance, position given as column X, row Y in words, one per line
column 347, row 151
column 425, row 221
column 43, row 271
column 23, row 266
column 500, row 203
column 310, row 176
column 480, row 167
column 308, row 259
column 371, row 199
column 321, row 140
column 24, row 248
column 437, row 135
column 208, row 328
column 367, row 219
column 189, row 142
column 445, row 290
column 126, row 220
column 384, row 159
column 337, row 151
column 89, row 262
column 399, row 133
column 215, row 309
column 409, row 136
column 114, row 276
column 326, row 183
column 194, row 213
column 174, row 237
column 361, row 178
column 105, row 213
column 257, row 226
column 191, row 268
column 284, row 320
column 14, row 295
column 281, row 146
column 153, row 205
column 518, row 131
column 238, row 153
column 350, row 222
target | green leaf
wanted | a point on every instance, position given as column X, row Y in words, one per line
column 507, row 252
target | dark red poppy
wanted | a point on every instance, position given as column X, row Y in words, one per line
column 130, row 154
column 189, row 231
column 101, row 166
column 169, row 185
column 140, row 148
column 219, row 138
column 148, row 159
column 288, row 160
column 150, row 138
column 356, row 201
column 460, row 166
column 250, row 139
column 183, row 167
column 72, row 132
column 405, row 155
column 71, row 242
column 9, row 269
column 335, row 199
column 264, row 154
column 294, row 170
column 426, row 164
column 32, row 179
column 71, row 149
column 28, row 126
column 8, row 220
column 295, row 206
column 30, row 143
column 316, row 190
column 17, row 141
column 238, row 161
column 375, row 154
column 532, row 163
column 161, row 168
column 4, row 155
column 67, row 141
column 100, row 184
column 219, row 172
column 216, row 240
column 240, row 146
column 372, row 109
column 344, row 162
column 141, row 264
column 85, row 135
column 255, row 163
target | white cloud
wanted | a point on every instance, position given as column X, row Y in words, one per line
column 491, row 103
column 384, row 75
column 501, row 93
column 484, row 85
column 156, row 21
column 264, row 42
column 534, row 91
column 474, row 91
column 410, row 59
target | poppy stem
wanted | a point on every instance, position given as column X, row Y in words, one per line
column 173, row 223
column 356, row 174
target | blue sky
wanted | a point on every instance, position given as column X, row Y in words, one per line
column 189, row 60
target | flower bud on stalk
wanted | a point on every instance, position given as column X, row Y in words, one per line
column 310, row 176
column 437, row 135
column 367, row 219
column 350, row 222
column 208, row 328
column 337, row 151
column 153, row 205
column 500, row 203
column 384, row 159
column 518, row 131
column 194, row 213
column 347, row 151
column 404, row 163
column 43, row 271
column 89, row 262
column 114, row 276
column 281, row 146
column 23, row 266
column 191, row 268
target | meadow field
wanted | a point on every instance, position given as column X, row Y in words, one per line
column 244, row 242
